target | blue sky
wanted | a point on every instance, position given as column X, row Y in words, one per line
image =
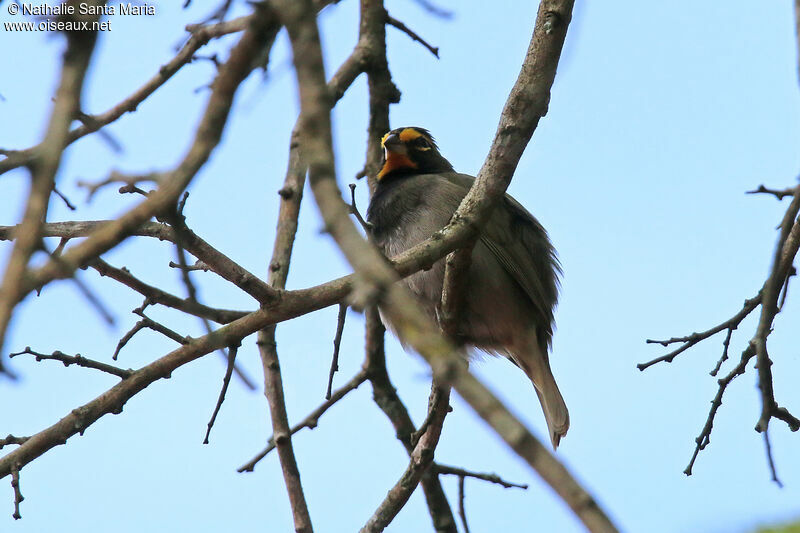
column 661, row 117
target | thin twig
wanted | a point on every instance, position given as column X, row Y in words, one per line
column 770, row 460
column 18, row 497
column 366, row 226
column 198, row 265
column 225, row 382
column 63, row 197
column 311, row 420
column 148, row 323
column 337, row 341
column 77, row 360
column 725, row 345
column 405, row 29
column 491, row 478
column 690, row 340
column 780, row 194
column 155, row 295
column 461, row 511
column 117, row 177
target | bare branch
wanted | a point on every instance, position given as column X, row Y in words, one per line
column 77, row 360
column 421, row 459
column 200, row 36
column 690, row 340
column 118, row 177
column 66, row 201
column 112, row 401
column 148, row 323
column 780, row 194
column 218, row 262
column 18, row 497
column 405, row 29
column 273, row 390
column 226, row 380
column 385, row 396
column 785, row 251
column 366, row 226
column 491, row 478
column 155, row 295
column 80, row 46
column 208, row 134
column 337, row 341
column 311, row 420
column 461, row 510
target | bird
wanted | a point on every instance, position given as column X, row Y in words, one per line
column 514, row 275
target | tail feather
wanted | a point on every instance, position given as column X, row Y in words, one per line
column 536, row 365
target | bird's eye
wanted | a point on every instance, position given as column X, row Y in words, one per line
column 423, row 143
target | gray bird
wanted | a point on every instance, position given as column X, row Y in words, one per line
column 512, row 283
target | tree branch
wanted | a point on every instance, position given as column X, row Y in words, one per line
column 77, row 360
column 421, row 459
column 172, row 184
column 385, row 396
column 311, row 420
column 80, row 46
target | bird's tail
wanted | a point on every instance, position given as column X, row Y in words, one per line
column 536, row 365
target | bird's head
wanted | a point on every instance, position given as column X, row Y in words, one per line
column 411, row 150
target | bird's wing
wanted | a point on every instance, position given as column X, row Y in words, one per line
column 520, row 244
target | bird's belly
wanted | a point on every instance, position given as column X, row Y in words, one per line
column 493, row 316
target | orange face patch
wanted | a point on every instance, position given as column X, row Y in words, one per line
column 395, row 161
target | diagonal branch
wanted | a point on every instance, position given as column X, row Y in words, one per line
column 311, row 420
column 80, row 46
column 200, row 36
column 209, row 132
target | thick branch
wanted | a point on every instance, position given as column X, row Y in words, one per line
column 80, row 45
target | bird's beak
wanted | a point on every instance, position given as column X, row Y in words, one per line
column 392, row 143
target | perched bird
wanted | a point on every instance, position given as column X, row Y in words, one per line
column 512, row 283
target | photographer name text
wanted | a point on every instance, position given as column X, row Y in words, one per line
column 44, row 10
